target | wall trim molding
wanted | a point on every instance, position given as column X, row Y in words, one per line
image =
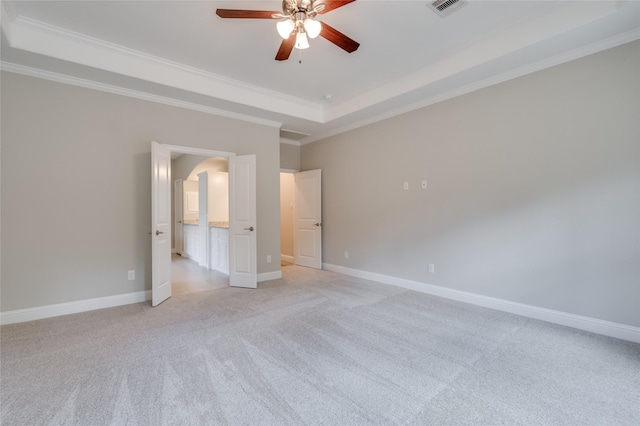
column 39, row 37
column 543, row 64
column 268, row 276
column 136, row 94
column 289, row 141
column 594, row 325
column 77, row 306
column 286, row 258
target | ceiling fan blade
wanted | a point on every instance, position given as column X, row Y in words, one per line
column 246, row 14
column 339, row 39
column 334, row 5
column 285, row 48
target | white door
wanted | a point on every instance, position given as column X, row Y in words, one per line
column 307, row 219
column 178, row 213
column 160, row 223
column 243, row 269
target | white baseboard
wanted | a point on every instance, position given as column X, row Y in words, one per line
column 594, row 325
column 267, row 276
column 48, row 311
column 286, row 258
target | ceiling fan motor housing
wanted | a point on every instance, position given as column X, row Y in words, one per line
column 309, row 7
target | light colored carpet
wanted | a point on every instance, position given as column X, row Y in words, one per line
column 313, row 348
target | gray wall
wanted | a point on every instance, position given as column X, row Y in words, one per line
column 289, row 157
column 182, row 166
column 76, row 187
column 533, row 190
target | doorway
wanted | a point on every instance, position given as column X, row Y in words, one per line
column 286, row 218
column 301, row 218
column 242, row 248
column 195, row 268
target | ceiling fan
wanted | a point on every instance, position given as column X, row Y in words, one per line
column 299, row 24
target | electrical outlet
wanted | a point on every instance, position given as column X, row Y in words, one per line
column 432, row 268
column 268, row 258
column 131, row 275
column 346, row 254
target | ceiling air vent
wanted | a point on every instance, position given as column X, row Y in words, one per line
column 447, row 7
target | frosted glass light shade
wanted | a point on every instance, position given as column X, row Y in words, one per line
column 301, row 41
column 312, row 27
column 285, row 28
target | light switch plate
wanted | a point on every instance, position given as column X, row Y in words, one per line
column 424, row 184
column 405, row 186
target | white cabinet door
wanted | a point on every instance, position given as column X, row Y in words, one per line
column 213, row 250
column 220, row 250
column 223, row 247
column 190, row 241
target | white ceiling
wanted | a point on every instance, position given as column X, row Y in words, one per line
column 182, row 53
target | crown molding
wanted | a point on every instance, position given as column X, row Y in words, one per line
column 499, row 44
column 40, row 38
column 44, row 39
column 6, row 18
column 89, row 84
column 574, row 54
column 289, row 142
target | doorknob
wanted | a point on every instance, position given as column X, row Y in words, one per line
column 249, row 228
column 319, row 224
column 159, row 232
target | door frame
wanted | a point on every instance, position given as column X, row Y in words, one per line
column 194, row 151
column 295, row 234
column 293, row 237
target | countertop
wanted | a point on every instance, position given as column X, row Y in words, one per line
column 224, row 225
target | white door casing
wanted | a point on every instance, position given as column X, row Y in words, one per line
column 160, row 223
column 243, row 270
column 307, row 219
column 178, row 216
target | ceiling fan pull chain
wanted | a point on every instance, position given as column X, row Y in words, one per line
column 299, row 56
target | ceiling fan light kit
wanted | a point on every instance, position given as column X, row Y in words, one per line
column 312, row 27
column 285, row 28
column 300, row 20
column 301, row 24
column 301, row 41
